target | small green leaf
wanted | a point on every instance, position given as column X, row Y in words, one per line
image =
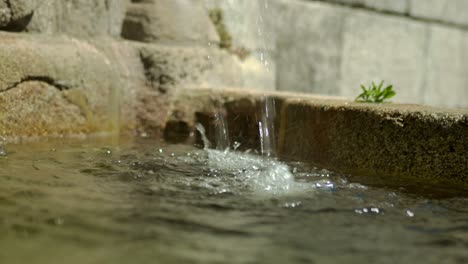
column 375, row 94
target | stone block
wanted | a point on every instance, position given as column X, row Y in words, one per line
column 181, row 21
column 447, row 67
column 385, row 48
column 169, row 70
column 452, row 11
column 252, row 26
column 248, row 22
column 81, row 18
column 65, row 85
column 168, row 66
column 309, row 46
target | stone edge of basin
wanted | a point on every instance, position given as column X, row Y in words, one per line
column 388, row 140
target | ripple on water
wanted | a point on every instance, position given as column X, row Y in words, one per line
column 147, row 201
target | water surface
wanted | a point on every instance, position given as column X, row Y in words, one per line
column 143, row 201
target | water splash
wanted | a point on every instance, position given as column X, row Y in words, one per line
column 263, row 176
column 267, row 177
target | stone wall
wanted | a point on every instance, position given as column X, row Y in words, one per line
column 333, row 46
column 88, row 66
column 93, row 66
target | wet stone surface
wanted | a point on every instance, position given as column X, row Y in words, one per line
column 148, row 202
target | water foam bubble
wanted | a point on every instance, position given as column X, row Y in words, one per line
column 265, row 176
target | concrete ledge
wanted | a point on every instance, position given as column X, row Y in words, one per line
column 389, row 140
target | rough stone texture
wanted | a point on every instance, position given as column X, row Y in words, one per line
column 446, row 67
column 5, row 14
column 42, row 107
column 169, row 66
column 113, row 84
column 384, row 140
column 171, row 69
column 451, row 11
column 73, row 17
column 16, row 14
column 182, row 21
column 89, row 79
column 396, row 54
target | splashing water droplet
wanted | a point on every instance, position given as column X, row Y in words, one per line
column 236, row 145
column 409, row 213
column 292, row 205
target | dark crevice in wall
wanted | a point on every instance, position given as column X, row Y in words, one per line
column 155, row 75
column 18, row 25
column 406, row 14
column 45, row 79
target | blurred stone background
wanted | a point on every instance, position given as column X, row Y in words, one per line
column 99, row 64
column 333, row 46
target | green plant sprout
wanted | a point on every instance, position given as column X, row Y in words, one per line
column 375, row 94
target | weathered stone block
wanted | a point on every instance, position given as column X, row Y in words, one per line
column 63, row 76
column 384, row 48
column 385, row 141
column 72, row 17
column 172, row 66
column 182, row 21
column 447, row 67
column 171, row 69
column 452, row 11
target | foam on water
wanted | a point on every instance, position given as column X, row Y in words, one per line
column 263, row 176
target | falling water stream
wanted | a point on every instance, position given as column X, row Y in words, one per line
column 266, row 127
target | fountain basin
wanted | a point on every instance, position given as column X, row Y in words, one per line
column 123, row 87
column 391, row 142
